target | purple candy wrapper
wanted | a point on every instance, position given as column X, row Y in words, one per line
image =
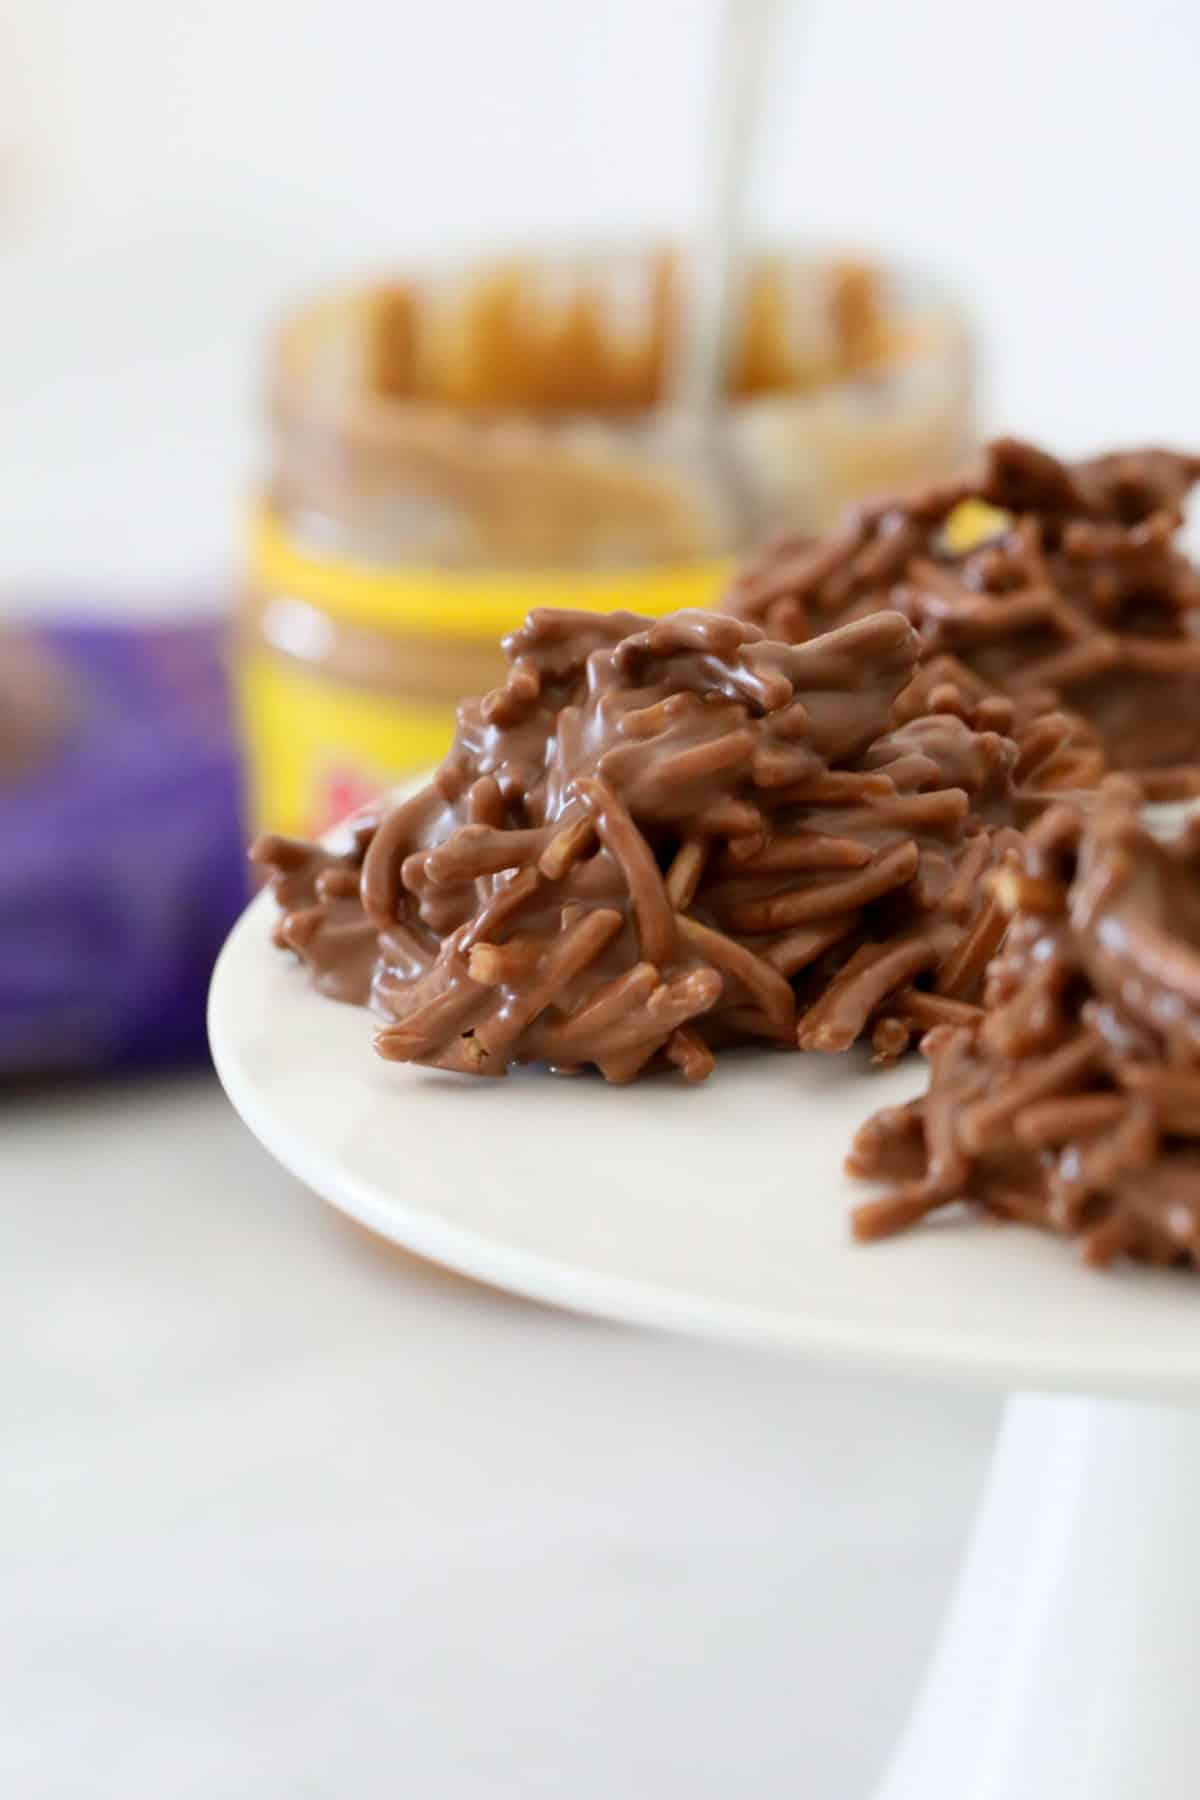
column 122, row 860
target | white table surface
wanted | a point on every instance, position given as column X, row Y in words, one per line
column 286, row 1513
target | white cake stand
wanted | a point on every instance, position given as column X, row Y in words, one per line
column 1066, row 1667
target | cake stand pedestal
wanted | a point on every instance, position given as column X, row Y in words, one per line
column 1066, row 1668
column 1067, row 1665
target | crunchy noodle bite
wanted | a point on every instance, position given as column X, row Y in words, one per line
column 659, row 839
column 1061, row 586
column 1073, row 1103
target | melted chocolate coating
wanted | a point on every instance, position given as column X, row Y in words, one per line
column 1074, row 1104
column 1072, row 593
column 657, row 839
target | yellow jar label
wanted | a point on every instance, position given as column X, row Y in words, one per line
column 465, row 603
column 318, row 749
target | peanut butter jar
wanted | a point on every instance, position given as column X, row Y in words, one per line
column 451, row 449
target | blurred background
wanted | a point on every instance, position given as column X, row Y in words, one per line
column 284, row 1513
column 170, row 178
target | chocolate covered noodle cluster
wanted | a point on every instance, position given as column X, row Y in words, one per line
column 801, row 823
column 1074, row 1103
column 1059, row 585
column 659, row 839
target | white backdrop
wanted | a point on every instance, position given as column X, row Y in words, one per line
column 170, row 174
